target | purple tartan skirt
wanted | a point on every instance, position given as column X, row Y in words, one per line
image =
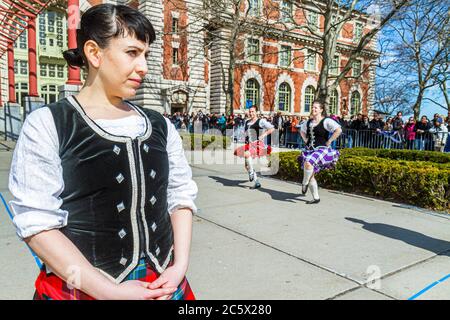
column 320, row 158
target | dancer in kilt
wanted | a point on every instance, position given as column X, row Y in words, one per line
column 318, row 133
column 102, row 190
column 255, row 132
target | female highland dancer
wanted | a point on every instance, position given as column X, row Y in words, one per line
column 254, row 143
column 102, row 191
column 318, row 133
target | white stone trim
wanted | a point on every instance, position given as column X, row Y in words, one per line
column 284, row 77
column 175, row 45
column 175, row 14
column 249, row 74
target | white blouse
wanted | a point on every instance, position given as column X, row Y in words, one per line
column 36, row 179
column 329, row 124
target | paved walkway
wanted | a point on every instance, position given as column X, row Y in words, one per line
column 268, row 244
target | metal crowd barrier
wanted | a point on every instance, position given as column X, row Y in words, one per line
column 10, row 122
column 351, row 138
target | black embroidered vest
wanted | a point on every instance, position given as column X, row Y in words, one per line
column 254, row 127
column 115, row 191
column 318, row 136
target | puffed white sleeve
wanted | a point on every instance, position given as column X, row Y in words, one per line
column 264, row 124
column 182, row 190
column 303, row 127
column 331, row 125
column 35, row 179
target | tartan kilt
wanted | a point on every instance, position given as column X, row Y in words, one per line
column 51, row 287
column 257, row 149
column 321, row 158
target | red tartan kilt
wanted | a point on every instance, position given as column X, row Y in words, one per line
column 257, row 149
column 51, row 287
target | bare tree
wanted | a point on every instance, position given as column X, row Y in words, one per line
column 421, row 46
column 227, row 22
column 391, row 96
column 374, row 14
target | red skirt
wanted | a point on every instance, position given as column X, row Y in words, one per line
column 51, row 287
column 257, row 149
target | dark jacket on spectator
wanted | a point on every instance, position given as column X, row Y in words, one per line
column 397, row 124
column 376, row 124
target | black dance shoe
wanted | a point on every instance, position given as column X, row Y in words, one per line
column 313, row 201
column 257, row 185
column 305, row 188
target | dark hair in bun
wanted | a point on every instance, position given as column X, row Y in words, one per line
column 105, row 21
column 74, row 57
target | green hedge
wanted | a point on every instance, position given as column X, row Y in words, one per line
column 409, row 155
column 421, row 183
column 191, row 141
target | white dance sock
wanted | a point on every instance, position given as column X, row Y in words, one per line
column 249, row 162
column 307, row 173
column 314, row 188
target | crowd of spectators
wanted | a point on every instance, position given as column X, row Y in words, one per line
column 358, row 130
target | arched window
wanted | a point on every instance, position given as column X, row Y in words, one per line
column 309, row 98
column 355, row 103
column 284, row 97
column 334, row 102
column 251, row 93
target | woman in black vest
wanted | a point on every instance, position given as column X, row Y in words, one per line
column 318, row 133
column 102, row 191
column 255, row 132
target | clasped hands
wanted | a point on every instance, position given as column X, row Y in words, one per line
column 160, row 289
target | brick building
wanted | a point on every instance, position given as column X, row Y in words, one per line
column 277, row 73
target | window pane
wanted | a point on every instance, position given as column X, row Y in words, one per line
column 309, row 98
column 313, row 20
column 285, row 56
column 286, row 11
column 358, row 31
column 284, row 98
column 357, row 68
column 334, row 102
column 253, row 50
column 252, row 92
column 254, row 7
column 175, row 56
column 174, row 25
column 355, row 103
column 334, row 67
column 311, row 60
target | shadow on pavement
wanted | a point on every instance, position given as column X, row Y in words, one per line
column 274, row 194
column 229, row 182
column 413, row 238
column 282, row 196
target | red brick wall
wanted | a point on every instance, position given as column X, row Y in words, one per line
column 170, row 71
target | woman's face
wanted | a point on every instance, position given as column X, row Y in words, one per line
column 252, row 112
column 316, row 109
column 123, row 66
